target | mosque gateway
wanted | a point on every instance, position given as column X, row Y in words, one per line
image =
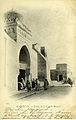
column 24, row 59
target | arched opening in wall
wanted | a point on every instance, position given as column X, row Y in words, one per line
column 24, row 67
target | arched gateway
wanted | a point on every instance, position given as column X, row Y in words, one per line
column 24, row 65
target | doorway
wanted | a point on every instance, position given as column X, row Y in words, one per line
column 24, row 66
column 60, row 77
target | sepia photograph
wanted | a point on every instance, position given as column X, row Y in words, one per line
column 37, row 51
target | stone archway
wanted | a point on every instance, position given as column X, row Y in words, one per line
column 24, row 65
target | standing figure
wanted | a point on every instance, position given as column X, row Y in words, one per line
column 28, row 86
column 33, row 83
column 19, row 82
column 23, row 82
column 37, row 87
column 46, row 84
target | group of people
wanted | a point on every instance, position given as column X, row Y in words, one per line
column 33, row 85
column 68, row 81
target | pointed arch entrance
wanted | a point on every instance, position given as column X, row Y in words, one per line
column 24, row 65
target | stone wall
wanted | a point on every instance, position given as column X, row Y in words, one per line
column 41, row 67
